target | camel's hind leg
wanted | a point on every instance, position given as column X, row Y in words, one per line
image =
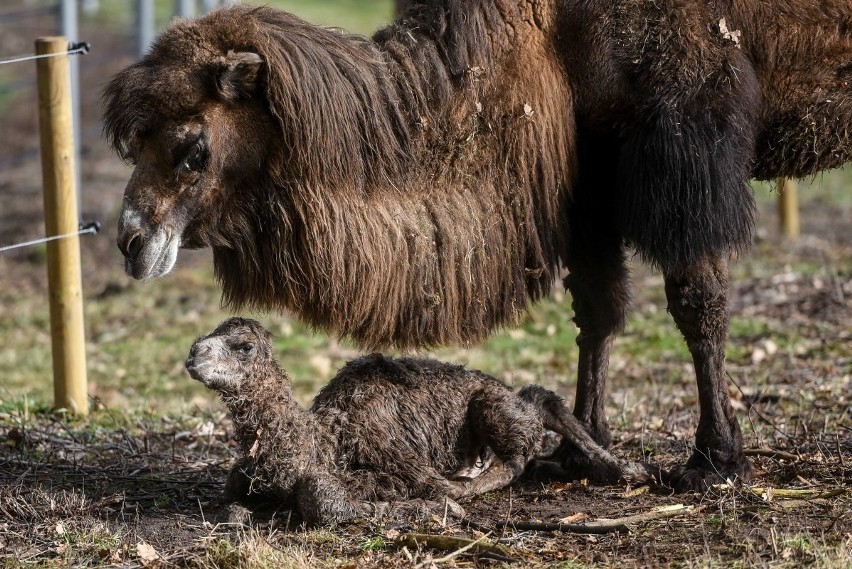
column 589, row 459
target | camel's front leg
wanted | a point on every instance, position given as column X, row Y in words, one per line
column 698, row 301
column 600, row 291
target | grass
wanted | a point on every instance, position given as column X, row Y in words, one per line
column 138, row 335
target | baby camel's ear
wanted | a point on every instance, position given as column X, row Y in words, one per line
column 237, row 75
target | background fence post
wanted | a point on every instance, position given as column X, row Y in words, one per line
column 144, row 26
column 788, row 207
column 60, row 216
column 186, row 8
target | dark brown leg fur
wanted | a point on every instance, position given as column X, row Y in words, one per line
column 323, row 500
column 600, row 301
column 698, row 301
column 238, row 488
column 598, row 281
column 506, row 424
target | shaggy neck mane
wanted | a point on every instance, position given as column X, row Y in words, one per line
column 399, row 157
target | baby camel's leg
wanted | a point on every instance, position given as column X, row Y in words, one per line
column 322, row 499
column 599, row 463
column 509, row 427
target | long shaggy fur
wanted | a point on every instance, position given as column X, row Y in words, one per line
column 412, row 198
column 422, row 186
column 407, row 189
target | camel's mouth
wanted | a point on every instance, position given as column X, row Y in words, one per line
column 148, row 253
column 156, row 258
column 194, row 368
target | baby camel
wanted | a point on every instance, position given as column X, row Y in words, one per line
column 382, row 430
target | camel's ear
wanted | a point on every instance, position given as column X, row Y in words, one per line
column 237, row 75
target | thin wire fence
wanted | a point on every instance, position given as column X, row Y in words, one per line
column 73, row 49
column 92, row 227
column 121, row 45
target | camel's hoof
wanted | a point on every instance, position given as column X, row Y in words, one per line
column 642, row 473
column 699, row 473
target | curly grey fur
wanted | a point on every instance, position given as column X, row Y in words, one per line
column 383, row 429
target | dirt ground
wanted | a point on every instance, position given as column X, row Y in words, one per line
column 144, row 491
column 147, row 493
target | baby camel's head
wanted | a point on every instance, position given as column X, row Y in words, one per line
column 235, row 351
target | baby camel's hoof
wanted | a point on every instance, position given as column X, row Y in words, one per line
column 642, row 473
column 239, row 515
column 419, row 509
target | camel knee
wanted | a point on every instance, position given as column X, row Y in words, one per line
column 698, row 302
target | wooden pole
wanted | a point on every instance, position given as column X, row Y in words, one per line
column 788, row 207
column 60, row 217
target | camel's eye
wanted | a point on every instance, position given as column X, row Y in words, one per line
column 192, row 157
column 246, row 349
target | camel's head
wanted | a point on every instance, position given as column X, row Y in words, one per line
column 236, row 351
column 188, row 116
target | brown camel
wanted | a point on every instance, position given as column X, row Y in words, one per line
column 421, row 187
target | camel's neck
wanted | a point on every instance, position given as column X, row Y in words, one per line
column 438, row 222
column 264, row 409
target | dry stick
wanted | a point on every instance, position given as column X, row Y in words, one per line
column 812, row 493
column 771, row 453
column 760, row 415
column 609, row 525
column 456, row 545
column 839, row 450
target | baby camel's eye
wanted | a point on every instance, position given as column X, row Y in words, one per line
column 246, row 349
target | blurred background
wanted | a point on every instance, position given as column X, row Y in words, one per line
column 792, row 300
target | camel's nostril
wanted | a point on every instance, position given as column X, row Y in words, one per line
column 131, row 248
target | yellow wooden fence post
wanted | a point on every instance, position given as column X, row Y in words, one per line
column 788, row 207
column 60, row 217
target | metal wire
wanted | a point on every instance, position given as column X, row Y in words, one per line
column 92, row 228
column 74, row 49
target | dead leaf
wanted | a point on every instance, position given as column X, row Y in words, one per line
column 392, row 534
column 146, row 553
column 574, row 518
column 528, row 111
column 636, row 491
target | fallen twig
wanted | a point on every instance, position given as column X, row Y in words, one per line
column 771, row 453
column 609, row 525
column 456, row 545
column 569, row 528
column 770, row 493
